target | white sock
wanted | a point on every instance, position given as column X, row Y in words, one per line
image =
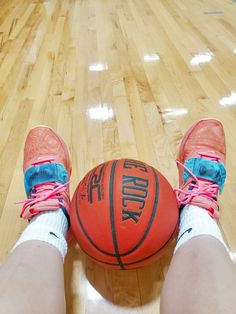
column 50, row 227
column 195, row 221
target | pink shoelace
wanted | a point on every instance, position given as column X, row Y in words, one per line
column 44, row 197
column 199, row 187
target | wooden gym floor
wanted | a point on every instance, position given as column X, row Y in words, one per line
column 116, row 78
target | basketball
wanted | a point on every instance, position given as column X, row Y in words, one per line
column 123, row 213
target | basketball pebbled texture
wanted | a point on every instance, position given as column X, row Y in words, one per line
column 123, row 213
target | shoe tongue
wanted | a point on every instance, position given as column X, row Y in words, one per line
column 44, row 173
column 207, row 170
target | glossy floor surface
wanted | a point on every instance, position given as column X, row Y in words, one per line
column 120, row 78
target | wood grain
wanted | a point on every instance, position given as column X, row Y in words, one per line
column 146, row 86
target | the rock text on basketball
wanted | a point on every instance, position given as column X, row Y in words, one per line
column 130, row 163
column 134, row 194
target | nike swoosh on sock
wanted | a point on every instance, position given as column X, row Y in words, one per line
column 188, row 230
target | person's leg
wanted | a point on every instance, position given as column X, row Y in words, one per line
column 31, row 277
column 201, row 277
column 32, row 281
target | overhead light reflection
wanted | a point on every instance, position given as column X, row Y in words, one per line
column 151, row 57
column 232, row 256
column 235, row 50
column 101, row 112
column 48, row 8
column 98, row 67
column 92, row 293
column 202, row 58
column 174, row 112
column 229, row 100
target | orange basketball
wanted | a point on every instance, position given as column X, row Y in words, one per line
column 123, row 213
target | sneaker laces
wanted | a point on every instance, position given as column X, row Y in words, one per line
column 44, row 197
column 198, row 187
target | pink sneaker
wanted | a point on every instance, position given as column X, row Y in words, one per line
column 47, row 169
column 201, row 165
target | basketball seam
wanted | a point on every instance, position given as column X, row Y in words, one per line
column 112, row 218
column 138, row 261
column 83, row 229
column 117, row 254
column 150, row 220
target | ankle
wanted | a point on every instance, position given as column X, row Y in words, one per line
column 195, row 221
column 50, row 227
